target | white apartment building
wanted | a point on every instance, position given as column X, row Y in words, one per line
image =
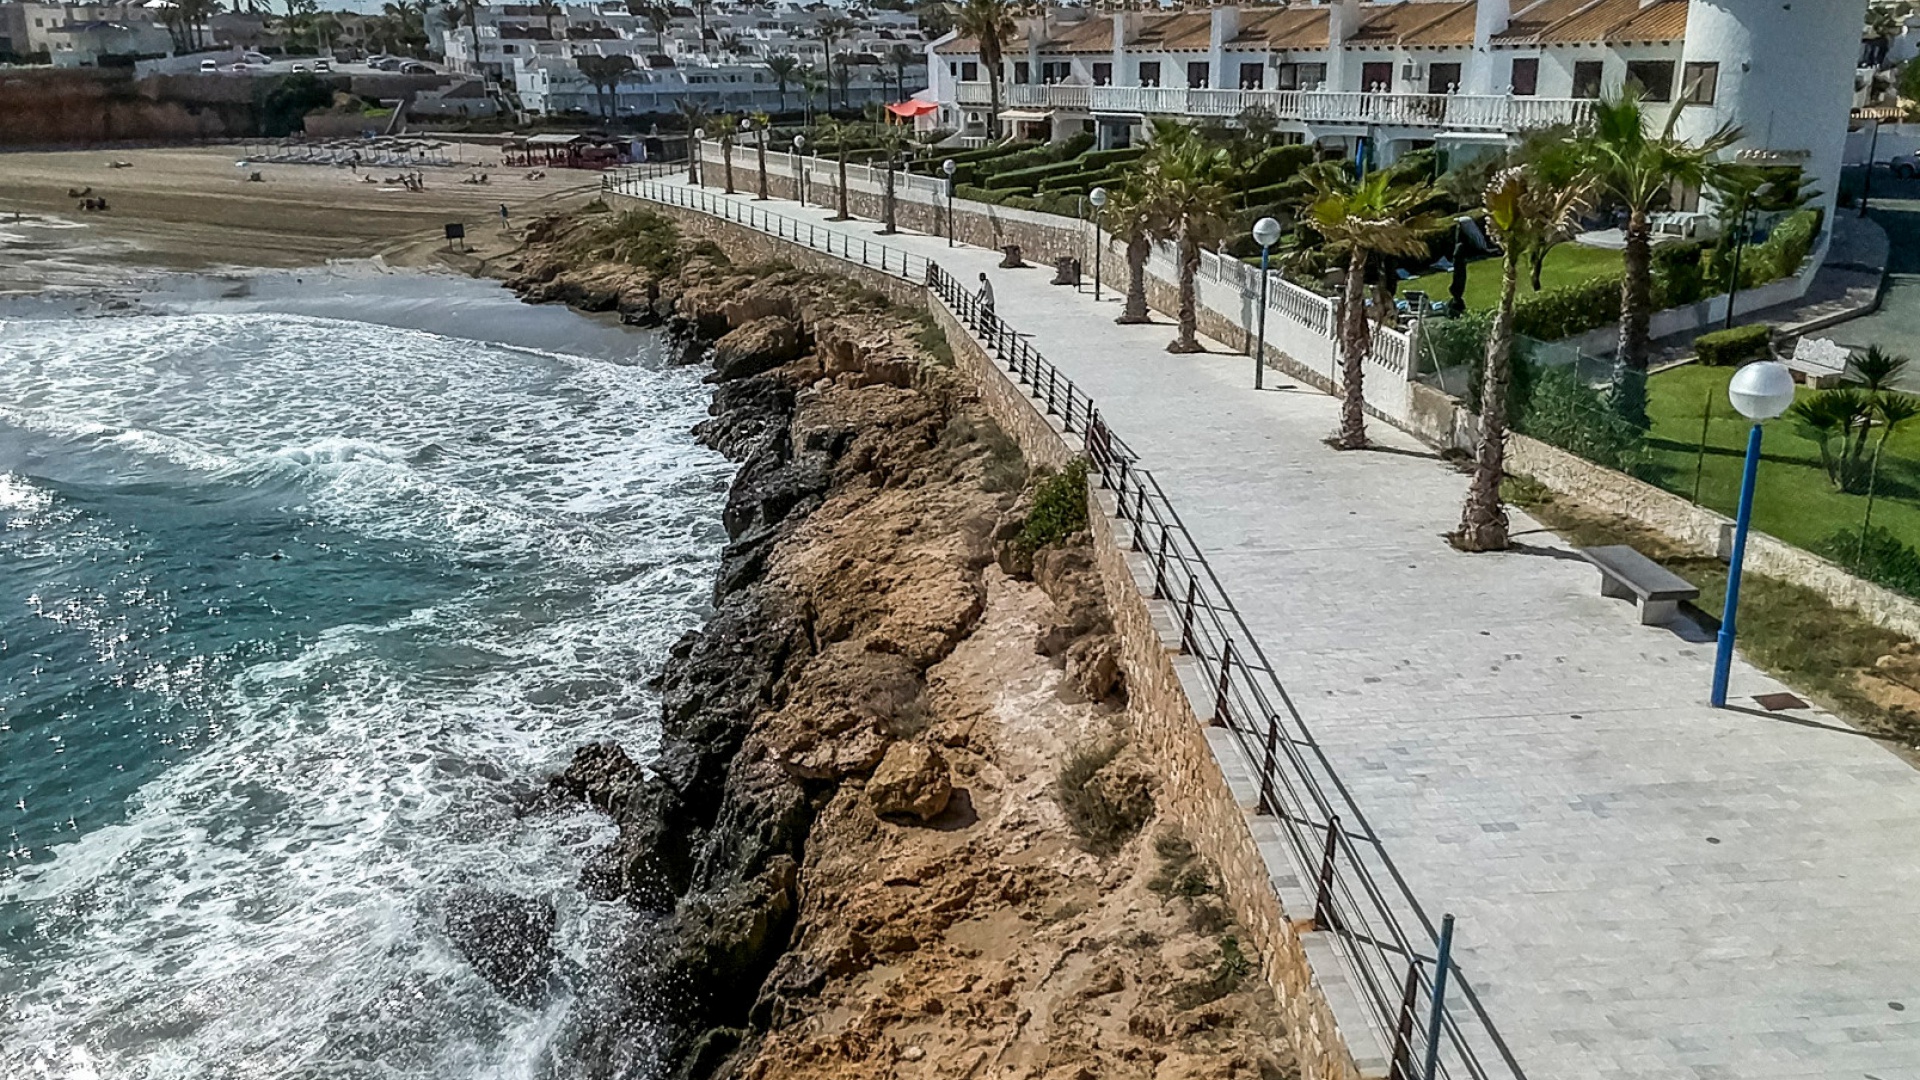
column 1383, row 77
column 78, row 35
column 719, row 60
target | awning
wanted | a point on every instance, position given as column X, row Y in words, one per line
column 1026, row 114
column 913, row 108
column 1499, row 138
column 552, row 140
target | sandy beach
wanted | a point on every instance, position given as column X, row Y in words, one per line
column 191, row 209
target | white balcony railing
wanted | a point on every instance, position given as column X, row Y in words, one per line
column 1469, row 112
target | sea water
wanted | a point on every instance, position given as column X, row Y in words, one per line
column 302, row 581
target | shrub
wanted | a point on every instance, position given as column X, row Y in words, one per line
column 1059, row 508
column 1566, row 310
column 1276, row 164
column 1104, row 811
column 1876, row 554
column 1576, row 418
column 1681, row 275
column 1784, row 249
column 1106, row 159
column 1227, row 975
column 1731, row 348
column 1030, row 176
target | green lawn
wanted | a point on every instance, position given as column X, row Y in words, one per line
column 1793, row 499
column 1568, row 264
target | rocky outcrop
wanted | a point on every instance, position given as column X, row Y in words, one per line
column 507, row 939
column 912, row 780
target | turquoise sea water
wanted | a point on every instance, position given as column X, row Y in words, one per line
column 297, row 587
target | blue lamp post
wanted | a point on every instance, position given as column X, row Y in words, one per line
column 1760, row 391
column 1266, row 233
column 1098, row 197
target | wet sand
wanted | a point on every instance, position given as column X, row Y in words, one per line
column 192, row 209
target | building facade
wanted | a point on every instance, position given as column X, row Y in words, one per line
column 1376, row 79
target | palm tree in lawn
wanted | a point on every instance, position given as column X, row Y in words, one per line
column 1639, row 170
column 836, row 133
column 1186, row 184
column 727, row 132
column 829, row 31
column 894, row 140
column 694, row 115
column 900, row 55
column 1381, row 214
column 765, row 124
column 782, row 67
column 606, row 73
column 843, row 77
column 1129, row 215
column 989, row 22
column 1526, row 211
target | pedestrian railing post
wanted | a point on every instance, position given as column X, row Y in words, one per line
column 1186, row 617
column 1160, row 568
column 1323, row 917
column 1222, row 712
column 1403, row 1030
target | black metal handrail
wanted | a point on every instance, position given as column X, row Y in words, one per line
column 1330, row 848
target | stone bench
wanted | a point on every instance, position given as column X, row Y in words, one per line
column 1819, row 363
column 1625, row 574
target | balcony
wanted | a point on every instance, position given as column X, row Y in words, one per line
column 1459, row 112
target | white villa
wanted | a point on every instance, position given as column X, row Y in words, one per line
column 1380, row 78
column 719, row 60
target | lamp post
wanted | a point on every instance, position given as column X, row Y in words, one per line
column 949, row 168
column 1098, row 197
column 1866, row 181
column 799, row 157
column 1760, row 391
column 1266, row 233
column 693, row 157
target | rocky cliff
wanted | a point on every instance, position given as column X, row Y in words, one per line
column 867, row 843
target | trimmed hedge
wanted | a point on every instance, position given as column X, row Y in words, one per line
column 1277, row 164
column 1730, row 348
column 1566, row 310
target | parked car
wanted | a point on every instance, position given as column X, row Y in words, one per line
column 209, row 65
column 261, row 59
column 1905, row 166
column 415, row 67
column 386, row 63
column 323, row 65
column 302, row 67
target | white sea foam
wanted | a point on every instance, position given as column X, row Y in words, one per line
column 267, row 905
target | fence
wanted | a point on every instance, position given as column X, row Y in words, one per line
column 1394, row 979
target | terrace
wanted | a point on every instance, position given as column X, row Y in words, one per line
column 1465, row 112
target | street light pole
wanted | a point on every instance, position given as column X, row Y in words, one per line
column 1098, row 197
column 1760, row 391
column 1265, row 232
column 949, row 168
column 698, row 137
column 1866, row 184
column 799, row 156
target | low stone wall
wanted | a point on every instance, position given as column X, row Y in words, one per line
column 1701, row 529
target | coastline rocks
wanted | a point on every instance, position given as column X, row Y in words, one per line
column 507, row 939
column 912, row 780
column 755, row 348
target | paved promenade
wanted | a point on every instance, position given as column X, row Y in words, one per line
column 1646, row 888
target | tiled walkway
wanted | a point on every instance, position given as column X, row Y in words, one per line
column 1646, row 887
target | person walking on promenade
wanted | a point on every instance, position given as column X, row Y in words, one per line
column 985, row 295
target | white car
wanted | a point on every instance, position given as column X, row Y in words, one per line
column 323, row 65
column 1905, row 166
column 209, row 65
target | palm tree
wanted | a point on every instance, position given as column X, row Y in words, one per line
column 830, row 30
column 765, row 124
column 726, row 148
column 1186, row 184
column 783, row 68
column 989, row 22
column 606, row 73
column 900, row 55
column 549, row 10
column 810, row 85
column 893, row 141
column 1130, row 216
column 843, row 76
column 1527, row 212
column 1640, row 170
column 694, row 115
column 1380, row 214
column 659, row 17
column 836, row 133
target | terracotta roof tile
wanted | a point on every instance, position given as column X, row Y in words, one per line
column 1284, row 28
column 1396, row 24
column 1093, row 34
column 1183, row 30
column 1567, row 22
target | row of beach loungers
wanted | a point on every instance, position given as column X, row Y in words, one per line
column 342, row 153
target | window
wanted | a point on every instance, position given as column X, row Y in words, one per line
column 1055, row 72
column 1376, row 78
column 1526, row 76
column 1654, row 77
column 1586, row 78
column 1701, row 83
column 1443, row 78
column 1022, row 72
column 969, row 71
column 953, row 69
column 1103, row 74
column 1149, row 73
column 1253, row 76
column 1197, row 72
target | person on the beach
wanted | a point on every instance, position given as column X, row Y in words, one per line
column 985, row 295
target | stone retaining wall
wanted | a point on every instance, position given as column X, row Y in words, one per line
column 1194, row 761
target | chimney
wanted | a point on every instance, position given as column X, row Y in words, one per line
column 1490, row 18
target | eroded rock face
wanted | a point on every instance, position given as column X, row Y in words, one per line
column 756, row 347
column 508, row 939
column 912, row 780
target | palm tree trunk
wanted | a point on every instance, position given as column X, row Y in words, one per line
column 887, row 227
column 1135, row 311
column 993, row 103
column 1636, row 314
column 841, row 213
column 1187, row 340
column 1354, row 343
column 1483, row 521
column 761, row 151
column 726, row 160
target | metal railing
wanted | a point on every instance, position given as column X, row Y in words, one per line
column 1358, row 897
column 1390, row 973
column 811, row 234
